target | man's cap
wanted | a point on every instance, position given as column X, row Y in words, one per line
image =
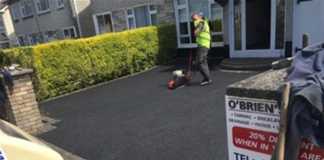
column 197, row 13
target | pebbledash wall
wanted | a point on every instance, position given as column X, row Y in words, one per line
column 117, row 9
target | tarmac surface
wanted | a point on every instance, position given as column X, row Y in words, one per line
column 138, row 118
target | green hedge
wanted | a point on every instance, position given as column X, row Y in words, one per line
column 68, row 65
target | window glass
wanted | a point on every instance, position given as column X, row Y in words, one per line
column 34, row 38
column 1, row 25
column 184, row 28
column 217, row 38
column 131, row 23
column 60, row 3
column 108, row 23
column 105, row 23
column 130, row 12
column 185, row 40
column 72, row 33
column 21, row 40
column 26, row 8
column 142, row 16
column 216, row 24
column 50, row 36
column 153, row 8
column 181, row 2
column 15, row 12
column 69, row 33
column 237, row 25
column 42, row 5
column 197, row 6
column 183, row 15
column 280, row 24
column 153, row 19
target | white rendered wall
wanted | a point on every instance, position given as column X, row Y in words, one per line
column 308, row 19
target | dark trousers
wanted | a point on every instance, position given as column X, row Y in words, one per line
column 202, row 62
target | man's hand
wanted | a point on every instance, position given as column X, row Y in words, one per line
column 199, row 28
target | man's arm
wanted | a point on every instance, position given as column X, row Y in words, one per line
column 200, row 27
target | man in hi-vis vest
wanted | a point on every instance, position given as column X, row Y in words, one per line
column 203, row 39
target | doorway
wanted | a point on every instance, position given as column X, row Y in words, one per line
column 258, row 24
column 253, row 28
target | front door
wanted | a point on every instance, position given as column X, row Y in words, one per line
column 257, row 28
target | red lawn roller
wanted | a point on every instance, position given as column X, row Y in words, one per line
column 181, row 77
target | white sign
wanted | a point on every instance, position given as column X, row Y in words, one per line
column 252, row 130
column 2, row 155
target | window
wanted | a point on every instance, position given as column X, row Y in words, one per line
column 26, row 8
column 21, row 40
column 131, row 19
column 153, row 14
column 42, row 6
column 183, row 23
column 2, row 27
column 50, row 36
column 141, row 16
column 104, row 23
column 60, row 4
column 212, row 11
column 15, row 12
column 69, row 32
column 216, row 23
column 35, row 38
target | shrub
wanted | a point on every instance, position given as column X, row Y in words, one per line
column 68, row 65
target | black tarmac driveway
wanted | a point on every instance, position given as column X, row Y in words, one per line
column 138, row 118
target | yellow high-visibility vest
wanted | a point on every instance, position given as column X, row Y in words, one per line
column 203, row 39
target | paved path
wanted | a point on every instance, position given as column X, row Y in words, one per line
column 137, row 118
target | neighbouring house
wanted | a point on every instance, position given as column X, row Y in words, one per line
column 7, row 32
column 39, row 21
column 119, row 15
column 253, row 28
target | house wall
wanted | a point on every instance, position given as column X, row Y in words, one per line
column 56, row 19
column 82, row 12
column 308, row 19
column 118, row 8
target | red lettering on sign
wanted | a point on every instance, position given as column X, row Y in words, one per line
column 264, row 142
column 255, row 140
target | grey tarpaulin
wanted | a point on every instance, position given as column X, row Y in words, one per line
column 7, row 81
column 305, row 119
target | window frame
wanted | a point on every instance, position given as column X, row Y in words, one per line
column 152, row 12
column 185, row 7
column 69, row 28
column 46, row 37
column 58, row 6
column 29, row 37
column 217, row 44
column 15, row 12
column 22, row 8
column 96, row 23
column 23, row 38
column 148, row 9
column 38, row 4
column 130, row 16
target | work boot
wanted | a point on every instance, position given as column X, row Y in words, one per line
column 206, row 82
